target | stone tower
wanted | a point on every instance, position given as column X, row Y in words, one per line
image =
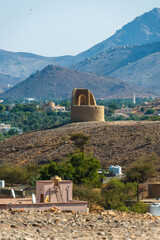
column 84, row 108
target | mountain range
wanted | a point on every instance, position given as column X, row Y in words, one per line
column 138, row 65
column 130, row 55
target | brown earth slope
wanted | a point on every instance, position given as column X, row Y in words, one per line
column 111, row 143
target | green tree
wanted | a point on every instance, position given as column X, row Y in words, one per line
column 80, row 168
column 142, row 109
column 50, row 170
column 150, row 111
column 13, row 132
column 113, row 106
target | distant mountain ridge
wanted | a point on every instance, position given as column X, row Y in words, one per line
column 58, row 82
column 142, row 30
column 138, row 65
column 110, row 60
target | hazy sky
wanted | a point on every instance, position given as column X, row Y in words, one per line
column 62, row 27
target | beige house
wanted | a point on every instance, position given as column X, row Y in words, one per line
column 50, row 106
column 54, row 193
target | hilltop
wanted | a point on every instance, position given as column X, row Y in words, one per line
column 58, row 82
column 111, row 142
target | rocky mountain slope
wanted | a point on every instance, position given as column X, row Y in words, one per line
column 58, row 82
column 138, row 65
column 7, row 81
column 143, row 73
column 111, row 142
column 142, row 30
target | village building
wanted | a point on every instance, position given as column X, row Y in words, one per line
column 50, row 106
column 54, row 193
column 4, row 127
column 125, row 111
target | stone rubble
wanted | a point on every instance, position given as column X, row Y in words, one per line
column 55, row 225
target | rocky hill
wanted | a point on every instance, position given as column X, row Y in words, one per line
column 58, row 82
column 111, row 142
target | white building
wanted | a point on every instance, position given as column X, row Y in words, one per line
column 4, row 127
column 115, row 170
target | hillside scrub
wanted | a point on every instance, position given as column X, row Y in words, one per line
column 89, row 194
column 80, row 140
column 113, row 195
column 19, row 175
column 142, row 169
column 116, row 193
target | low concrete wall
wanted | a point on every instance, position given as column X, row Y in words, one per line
column 76, row 206
column 85, row 113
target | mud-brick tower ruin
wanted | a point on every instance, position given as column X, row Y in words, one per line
column 84, row 107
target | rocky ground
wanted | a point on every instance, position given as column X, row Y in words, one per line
column 107, row 225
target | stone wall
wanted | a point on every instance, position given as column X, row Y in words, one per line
column 87, row 113
column 84, row 108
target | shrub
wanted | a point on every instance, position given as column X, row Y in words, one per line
column 18, row 175
column 141, row 170
column 139, row 207
column 123, row 209
column 149, row 139
column 80, row 140
column 116, row 193
column 89, row 194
